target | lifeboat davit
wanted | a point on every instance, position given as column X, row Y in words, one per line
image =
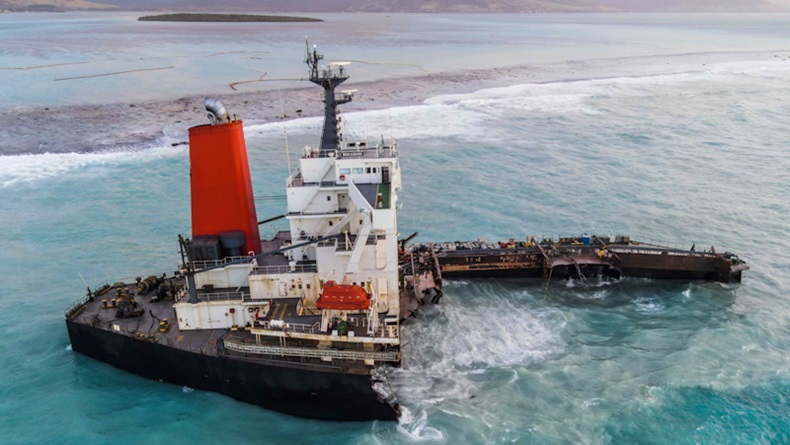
column 344, row 297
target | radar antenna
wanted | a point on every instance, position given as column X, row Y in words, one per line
column 329, row 77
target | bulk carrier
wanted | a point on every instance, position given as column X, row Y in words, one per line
column 307, row 323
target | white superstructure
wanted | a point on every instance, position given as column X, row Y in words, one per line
column 342, row 215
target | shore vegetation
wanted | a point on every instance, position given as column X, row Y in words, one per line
column 192, row 17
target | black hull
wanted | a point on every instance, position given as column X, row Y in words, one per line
column 312, row 393
column 493, row 273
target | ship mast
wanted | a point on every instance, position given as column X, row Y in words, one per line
column 329, row 78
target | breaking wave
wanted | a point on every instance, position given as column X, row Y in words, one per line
column 467, row 115
column 15, row 169
column 451, row 349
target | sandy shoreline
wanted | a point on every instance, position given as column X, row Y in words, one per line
column 90, row 128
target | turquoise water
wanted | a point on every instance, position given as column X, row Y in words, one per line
column 696, row 155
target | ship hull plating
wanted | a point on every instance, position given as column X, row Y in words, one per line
column 565, row 272
column 657, row 265
column 312, row 393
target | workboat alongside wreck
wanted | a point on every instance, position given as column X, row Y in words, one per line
column 307, row 323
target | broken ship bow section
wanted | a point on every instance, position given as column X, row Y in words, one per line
column 585, row 256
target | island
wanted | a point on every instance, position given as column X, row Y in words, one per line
column 189, row 17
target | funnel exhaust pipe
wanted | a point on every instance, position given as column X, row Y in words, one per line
column 217, row 113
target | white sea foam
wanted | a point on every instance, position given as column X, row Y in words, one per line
column 500, row 334
column 418, row 430
column 645, row 305
column 592, row 402
column 465, row 115
column 32, row 167
column 515, row 377
column 569, row 96
column 187, row 390
column 418, row 121
column 503, row 335
column 451, row 349
column 651, row 394
column 68, row 347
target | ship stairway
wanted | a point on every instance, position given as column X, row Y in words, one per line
column 322, row 175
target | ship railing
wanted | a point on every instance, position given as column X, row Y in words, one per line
column 347, row 243
column 653, row 250
column 389, row 356
column 646, row 242
column 278, row 325
column 299, row 181
column 660, row 243
column 595, row 238
column 339, row 211
column 386, row 331
column 76, row 306
column 223, row 296
column 325, row 243
column 285, row 268
column 368, row 152
column 203, row 264
column 575, row 239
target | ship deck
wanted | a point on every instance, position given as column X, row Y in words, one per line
column 146, row 326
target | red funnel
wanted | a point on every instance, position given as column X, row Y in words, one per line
column 222, row 199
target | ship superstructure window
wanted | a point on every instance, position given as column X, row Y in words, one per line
column 328, row 198
column 345, row 171
column 368, row 170
column 358, row 170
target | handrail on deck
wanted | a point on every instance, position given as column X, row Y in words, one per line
column 391, row 356
column 223, row 296
column 236, row 260
column 290, row 327
column 285, row 268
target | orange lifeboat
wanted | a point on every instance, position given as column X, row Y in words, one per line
column 344, row 297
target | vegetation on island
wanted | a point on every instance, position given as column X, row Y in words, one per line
column 189, row 17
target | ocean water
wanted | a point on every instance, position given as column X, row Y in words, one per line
column 616, row 142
